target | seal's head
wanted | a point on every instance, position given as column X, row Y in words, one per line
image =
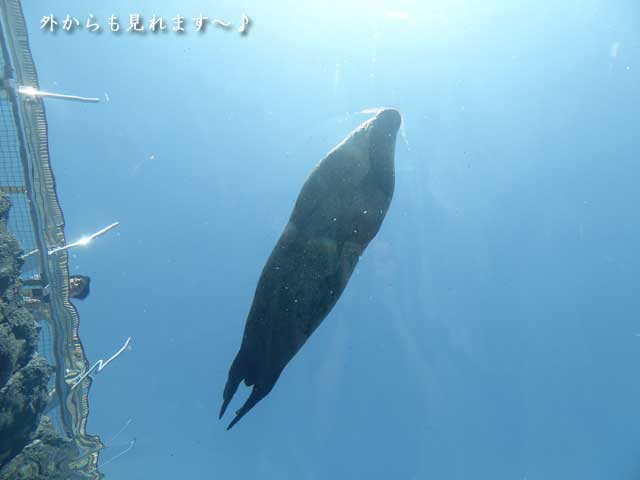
column 382, row 130
column 388, row 120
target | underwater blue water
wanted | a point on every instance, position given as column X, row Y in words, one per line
column 491, row 330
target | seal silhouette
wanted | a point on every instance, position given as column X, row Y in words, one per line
column 338, row 212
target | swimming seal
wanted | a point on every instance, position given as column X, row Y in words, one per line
column 338, row 212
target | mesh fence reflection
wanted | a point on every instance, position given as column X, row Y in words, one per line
column 37, row 221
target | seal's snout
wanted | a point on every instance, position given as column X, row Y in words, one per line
column 389, row 120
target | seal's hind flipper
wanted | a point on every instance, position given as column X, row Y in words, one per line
column 236, row 375
column 255, row 397
column 225, row 404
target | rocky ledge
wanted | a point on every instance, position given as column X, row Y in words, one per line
column 30, row 448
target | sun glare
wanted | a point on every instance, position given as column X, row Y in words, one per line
column 84, row 241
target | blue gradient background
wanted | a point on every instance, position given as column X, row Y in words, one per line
column 491, row 329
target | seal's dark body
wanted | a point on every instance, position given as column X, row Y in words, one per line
column 338, row 212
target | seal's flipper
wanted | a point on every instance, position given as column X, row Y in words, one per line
column 225, row 404
column 236, row 375
column 255, row 397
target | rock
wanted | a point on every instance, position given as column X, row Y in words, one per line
column 25, row 331
column 79, row 286
column 10, row 262
column 30, row 448
column 8, row 354
column 22, row 400
column 47, row 457
column 5, row 205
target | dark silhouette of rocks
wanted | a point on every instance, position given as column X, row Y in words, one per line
column 30, row 448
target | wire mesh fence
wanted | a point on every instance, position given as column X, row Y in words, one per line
column 37, row 222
